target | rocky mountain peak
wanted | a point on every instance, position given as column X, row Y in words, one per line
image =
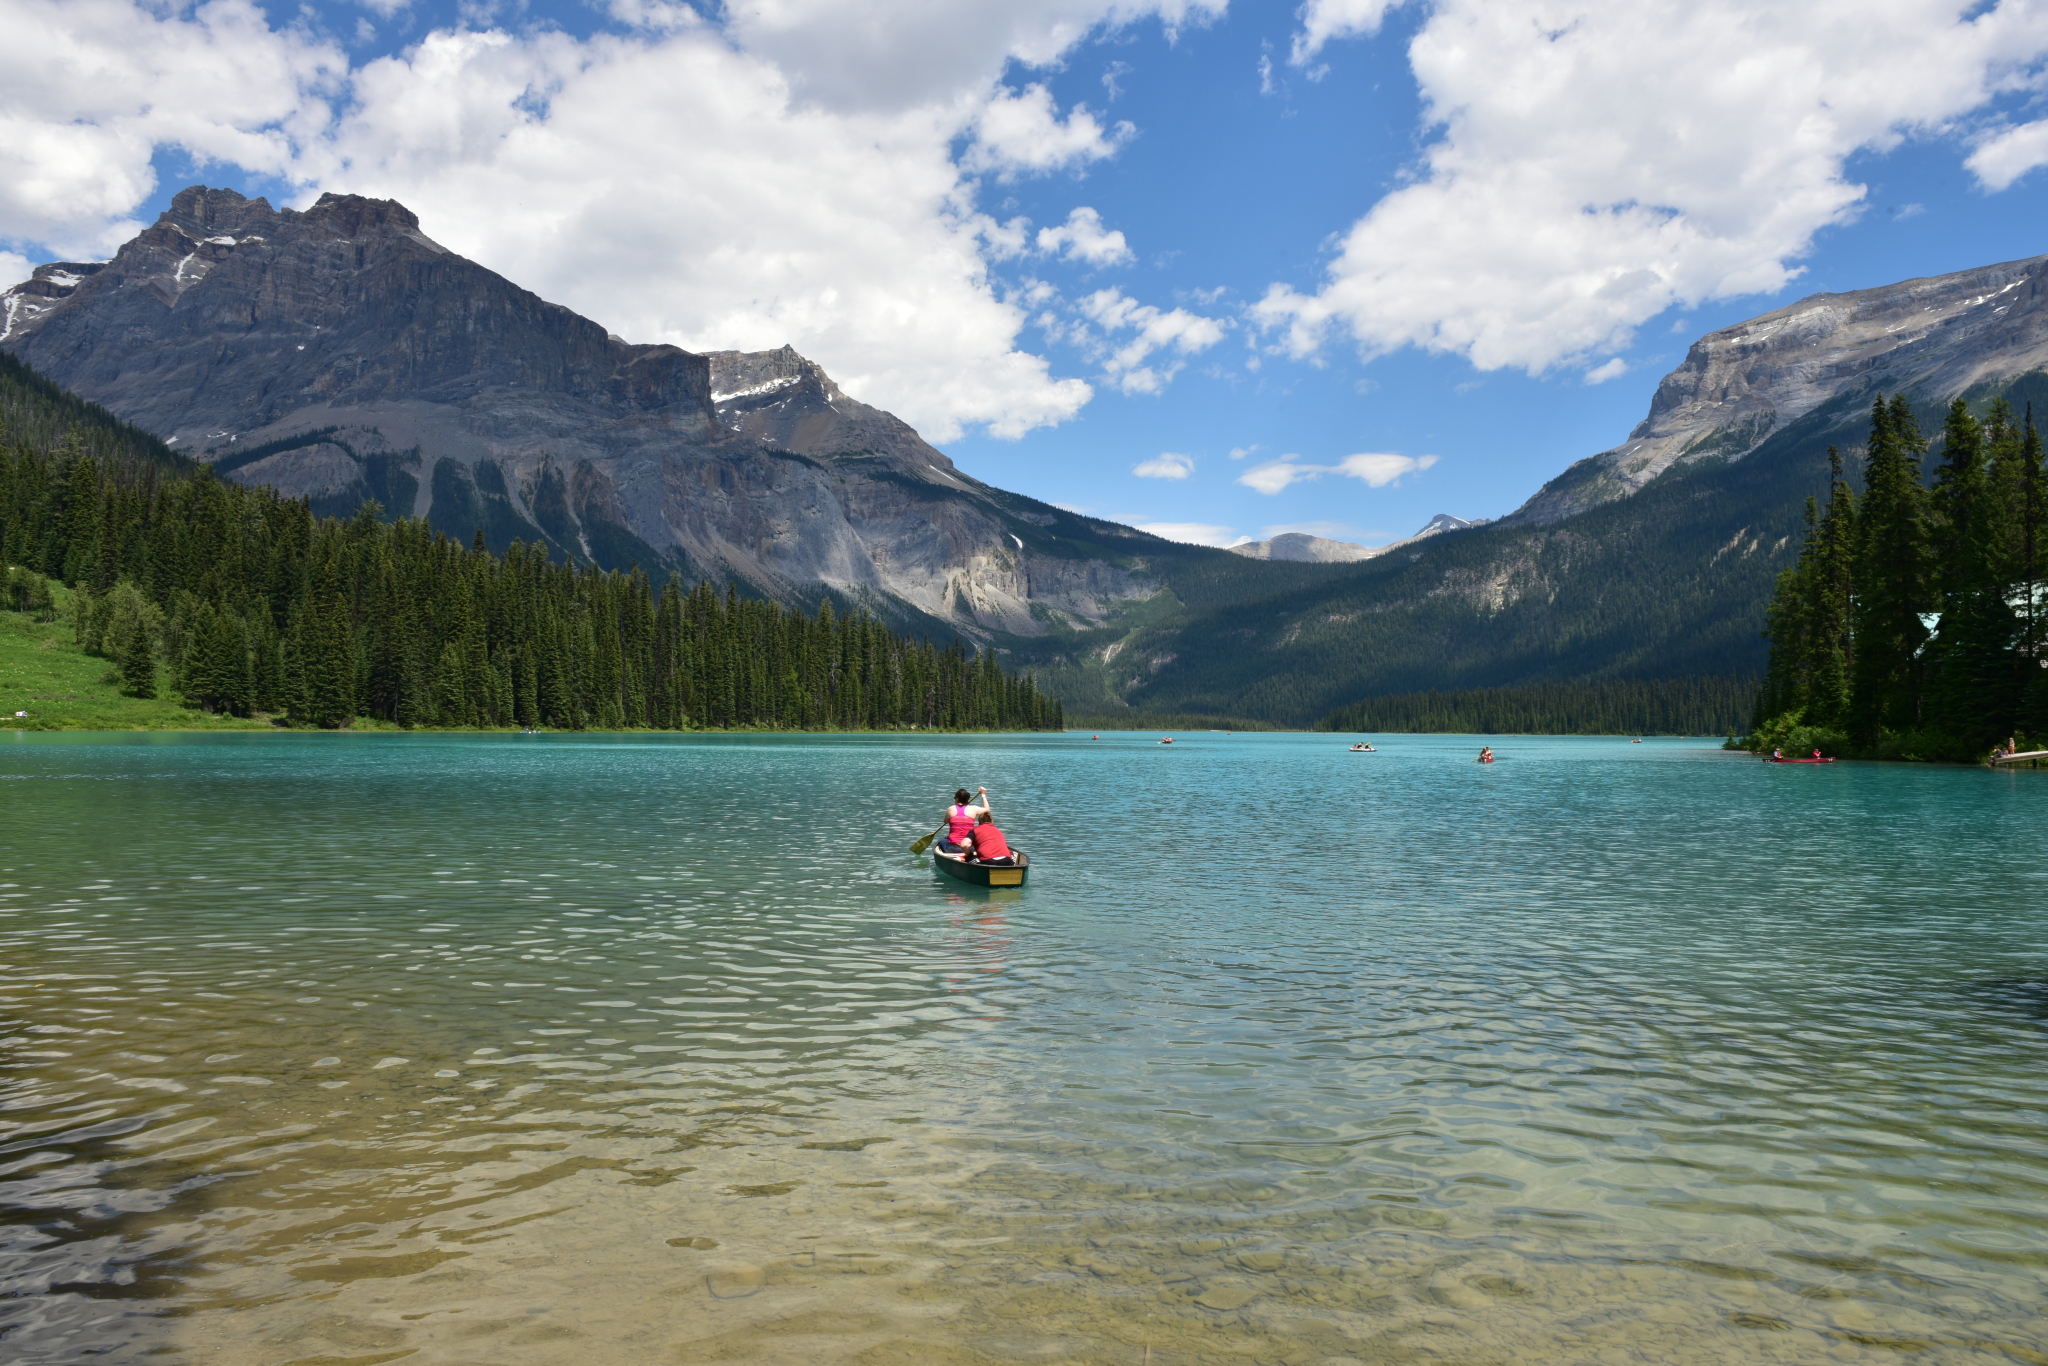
column 1934, row 336
column 341, row 355
column 347, row 303
column 1302, row 548
column 749, row 375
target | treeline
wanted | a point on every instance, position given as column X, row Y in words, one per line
column 254, row 605
column 38, row 415
column 1911, row 625
column 1710, row 705
column 1164, row 721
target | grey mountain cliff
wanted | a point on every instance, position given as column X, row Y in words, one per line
column 341, row 354
column 1934, row 336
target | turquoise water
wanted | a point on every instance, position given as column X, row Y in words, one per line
column 509, row 1049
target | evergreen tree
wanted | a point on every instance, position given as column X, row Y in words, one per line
column 1971, row 696
column 1891, row 577
column 1831, row 597
column 137, row 657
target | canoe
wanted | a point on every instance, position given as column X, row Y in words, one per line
column 981, row 874
column 1799, row 761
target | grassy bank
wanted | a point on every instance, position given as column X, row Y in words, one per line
column 45, row 674
column 60, row 687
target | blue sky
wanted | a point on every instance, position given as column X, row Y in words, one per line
column 1216, row 269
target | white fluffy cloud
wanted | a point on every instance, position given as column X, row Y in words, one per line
column 1082, row 237
column 797, row 175
column 1192, row 533
column 1017, row 134
column 1601, row 160
column 1150, row 330
column 903, row 54
column 2009, row 154
column 848, row 236
column 1322, row 20
column 1165, row 465
column 90, row 89
column 1377, row 470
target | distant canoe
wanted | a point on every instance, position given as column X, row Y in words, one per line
column 1799, row 761
column 982, row 874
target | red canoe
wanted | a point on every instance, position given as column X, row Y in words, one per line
column 1799, row 761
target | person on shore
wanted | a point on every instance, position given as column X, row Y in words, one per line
column 989, row 845
column 960, row 818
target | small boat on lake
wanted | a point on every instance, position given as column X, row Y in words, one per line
column 983, row 874
column 1798, row 761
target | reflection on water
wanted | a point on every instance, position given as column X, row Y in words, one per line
column 554, row 1049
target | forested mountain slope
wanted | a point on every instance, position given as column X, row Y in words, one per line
column 1670, row 582
column 1652, row 560
column 340, row 354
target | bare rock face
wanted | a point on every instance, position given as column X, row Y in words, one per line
column 340, row 354
column 1302, row 548
column 1935, row 336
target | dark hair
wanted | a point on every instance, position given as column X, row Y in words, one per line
column 985, row 817
column 960, row 795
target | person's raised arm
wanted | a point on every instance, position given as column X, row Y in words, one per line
column 982, row 793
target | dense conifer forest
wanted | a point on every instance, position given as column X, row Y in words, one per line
column 248, row 603
column 1712, row 705
column 1911, row 625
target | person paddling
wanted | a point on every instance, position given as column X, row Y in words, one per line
column 960, row 817
column 989, row 844
column 1486, row 754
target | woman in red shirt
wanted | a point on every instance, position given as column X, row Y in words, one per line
column 989, row 844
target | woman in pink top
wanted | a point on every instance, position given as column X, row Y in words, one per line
column 960, row 819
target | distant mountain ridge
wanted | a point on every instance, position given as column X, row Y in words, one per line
column 1652, row 560
column 1941, row 334
column 1302, row 548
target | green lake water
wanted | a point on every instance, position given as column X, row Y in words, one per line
column 566, row 1049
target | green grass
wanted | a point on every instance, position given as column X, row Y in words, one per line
column 44, row 673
